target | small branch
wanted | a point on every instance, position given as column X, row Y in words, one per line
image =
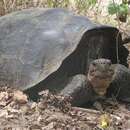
column 95, row 112
column 87, row 110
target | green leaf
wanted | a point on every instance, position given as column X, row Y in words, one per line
column 123, row 9
column 113, row 8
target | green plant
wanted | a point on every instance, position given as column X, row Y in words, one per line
column 121, row 10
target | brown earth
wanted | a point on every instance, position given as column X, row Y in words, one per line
column 54, row 112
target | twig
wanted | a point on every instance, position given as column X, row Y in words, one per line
column 5, row 8
column 86, row 110
column 92, row 112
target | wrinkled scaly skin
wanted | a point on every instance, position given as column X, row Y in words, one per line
column 103, row 80
column 100, row 75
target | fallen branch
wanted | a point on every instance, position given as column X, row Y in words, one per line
column 92, row 112
column 86, row 110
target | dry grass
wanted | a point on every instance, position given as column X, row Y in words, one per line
column 96, row 12
column 7, row 6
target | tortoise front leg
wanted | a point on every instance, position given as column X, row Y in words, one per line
column 80, row 90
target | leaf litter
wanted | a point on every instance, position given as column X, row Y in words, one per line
column 54, row 112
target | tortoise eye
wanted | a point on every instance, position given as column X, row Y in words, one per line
column 94, row 64
column 93, row 70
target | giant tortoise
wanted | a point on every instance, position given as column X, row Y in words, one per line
column 53, row 48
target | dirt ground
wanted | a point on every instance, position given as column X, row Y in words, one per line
column 54, row 112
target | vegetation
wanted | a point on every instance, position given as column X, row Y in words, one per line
column 81, row 6
column 113, row 12
column 121, row 10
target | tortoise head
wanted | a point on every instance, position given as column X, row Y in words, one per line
column 100, row 75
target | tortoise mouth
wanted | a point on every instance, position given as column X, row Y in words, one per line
column 105, row 77
column 99, row 76
column 100, row 83
column 100, row 91
column 100, row 86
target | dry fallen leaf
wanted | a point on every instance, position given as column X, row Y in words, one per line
column 3, row 95
column 52, row 112
column 20, row 97
column 104, row 120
